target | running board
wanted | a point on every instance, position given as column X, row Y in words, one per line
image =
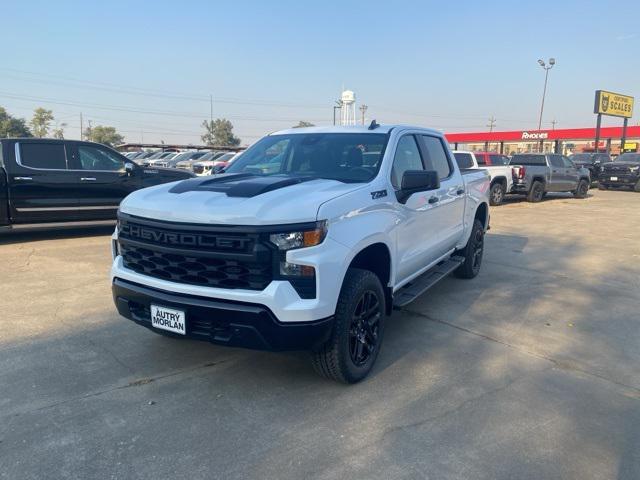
column 424, row 282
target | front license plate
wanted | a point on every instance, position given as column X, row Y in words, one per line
column 614, row 179
column 168, row 319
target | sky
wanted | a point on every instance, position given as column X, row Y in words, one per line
column 150, row 68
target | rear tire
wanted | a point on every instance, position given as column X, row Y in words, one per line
column 348, row 356
column 472, row 253
column 537, row 192
column 582, row 189
column 496, row 196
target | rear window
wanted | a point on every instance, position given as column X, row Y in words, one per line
column 499, row 160
column 481, row 158
column 528, row 160
column 464, row 160
column 43, row 155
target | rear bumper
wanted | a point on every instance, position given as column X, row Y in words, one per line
column 221, row 321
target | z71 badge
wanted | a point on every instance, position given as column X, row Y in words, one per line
column 378, row 194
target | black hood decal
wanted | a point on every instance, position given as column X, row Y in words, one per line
column 241, row 185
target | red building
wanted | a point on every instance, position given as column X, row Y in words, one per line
column 565, row 140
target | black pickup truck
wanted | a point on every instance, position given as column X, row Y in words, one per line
column 45, row 181
column 624, row 171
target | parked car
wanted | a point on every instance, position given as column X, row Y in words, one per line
column 536, row 174
column 156, row 156
column 46, row 181
column 187, row 162
column 163, row 160
column 205, row 167
column 624, row 171
column 499, row 170
column 591, row 161
column 173, row 162
column 312, row 256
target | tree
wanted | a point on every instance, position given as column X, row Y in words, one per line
column 40, row 121
column 219, row 132
column 13, row 127
column 302, row 124
column 58, row 132
column 103, row 134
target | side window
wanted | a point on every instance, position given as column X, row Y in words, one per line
column 464, row 160
column 92, row 158
column 556, row 161
column 481, row 158
column 43, row 155
column 436, row 156
column 407, row 157
column 497, row 159
column 567, row 163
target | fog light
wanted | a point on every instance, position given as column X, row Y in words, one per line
column 294, row 270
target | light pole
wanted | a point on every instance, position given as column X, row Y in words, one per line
column 363, row 109
column 552, row 62
column 337, row 106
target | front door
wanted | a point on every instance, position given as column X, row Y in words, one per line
column 571, row 173
column 103, row 179
column 558, row 181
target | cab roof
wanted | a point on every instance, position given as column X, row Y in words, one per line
column 382, row 128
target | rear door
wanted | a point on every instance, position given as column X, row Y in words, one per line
column 41, row 187
column 102, row 178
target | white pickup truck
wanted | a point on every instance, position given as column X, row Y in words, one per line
column 500, row 171
column 310, row 253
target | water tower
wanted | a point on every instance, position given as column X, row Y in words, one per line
column 348, row 110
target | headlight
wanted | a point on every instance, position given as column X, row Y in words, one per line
column 300, row 239
column 634, row 169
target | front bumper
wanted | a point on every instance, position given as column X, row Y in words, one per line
column 622, row 180
column 221, row 321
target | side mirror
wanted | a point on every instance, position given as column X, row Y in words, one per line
column 129, row 169
column 414, row 181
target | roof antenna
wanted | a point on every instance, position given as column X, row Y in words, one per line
column 373, row 125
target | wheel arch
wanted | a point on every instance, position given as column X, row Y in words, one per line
column 376, row 258
column 500, row 179
column 482, row 214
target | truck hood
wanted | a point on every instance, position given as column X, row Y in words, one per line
column 236, row 199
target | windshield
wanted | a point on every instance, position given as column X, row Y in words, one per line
column 346, row 157
column 628, row 157
column 528, row 160
column 226, row 157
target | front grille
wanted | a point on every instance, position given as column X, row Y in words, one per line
column 616, row 169
column 197, row 169
column 195, row 255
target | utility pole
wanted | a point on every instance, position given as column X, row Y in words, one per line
column 363, row 109
column 89, row 130
column 492, row 123
column 211, row 109
column 553, row 124
column 81, row 128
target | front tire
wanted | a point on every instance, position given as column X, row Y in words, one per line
column 582, row 189
column 537, row 192
column 496, row 196
column 472, row 253
column 348, row 356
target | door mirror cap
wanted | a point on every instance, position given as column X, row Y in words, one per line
column 129, row 168
column 414, row 181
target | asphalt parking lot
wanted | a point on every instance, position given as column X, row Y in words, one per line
column 532, row 370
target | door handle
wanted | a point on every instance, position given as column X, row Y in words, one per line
column 88, row 179
column 460, row 191
column 433, row 200
column 23, row 178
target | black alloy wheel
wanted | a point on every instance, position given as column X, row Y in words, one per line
column 363, row 332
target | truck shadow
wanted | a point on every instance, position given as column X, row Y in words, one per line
column 24, row 236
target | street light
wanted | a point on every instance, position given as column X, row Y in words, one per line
column 337, row 106
column 552, row 62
